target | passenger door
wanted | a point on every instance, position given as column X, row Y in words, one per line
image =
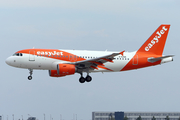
column 135, row 60
column 31, row 55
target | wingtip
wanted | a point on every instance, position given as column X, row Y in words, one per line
column 122, row 53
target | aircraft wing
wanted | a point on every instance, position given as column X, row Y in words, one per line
column 93, row 63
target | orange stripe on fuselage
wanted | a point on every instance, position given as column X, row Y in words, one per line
column 140, row 60
column 55, row 53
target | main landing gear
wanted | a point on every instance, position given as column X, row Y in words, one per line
column 30, row 72
column 87, row 79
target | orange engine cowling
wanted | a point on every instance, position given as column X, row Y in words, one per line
column 63, row 70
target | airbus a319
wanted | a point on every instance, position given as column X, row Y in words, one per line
column 61, row 63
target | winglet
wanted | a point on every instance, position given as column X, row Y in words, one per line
column 122, row 53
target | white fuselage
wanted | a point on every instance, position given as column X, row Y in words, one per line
column 43, row 62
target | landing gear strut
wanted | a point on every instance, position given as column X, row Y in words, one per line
column 30, row 72
column 87, row 79
column 82, row 79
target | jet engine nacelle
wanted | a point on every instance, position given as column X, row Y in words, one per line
column 63, row 70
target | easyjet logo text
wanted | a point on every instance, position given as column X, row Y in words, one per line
column 49, row 53
column 156, row 38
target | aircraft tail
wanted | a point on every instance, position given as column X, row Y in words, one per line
column 156, row 42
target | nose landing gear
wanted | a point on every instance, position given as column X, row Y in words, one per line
column 29, row 77
column 30, row 72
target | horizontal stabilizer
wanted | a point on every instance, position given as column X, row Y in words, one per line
column 152, row 59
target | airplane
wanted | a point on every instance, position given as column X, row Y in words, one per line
column 61, row 62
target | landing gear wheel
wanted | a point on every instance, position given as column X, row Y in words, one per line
column 29, row 77
column 82, row 80
column 30, row 72
column 88, row 78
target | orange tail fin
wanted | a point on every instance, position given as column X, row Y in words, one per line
column 156, row 42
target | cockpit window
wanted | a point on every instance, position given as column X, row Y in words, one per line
column 17, row 54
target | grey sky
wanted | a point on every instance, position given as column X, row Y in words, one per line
column 114, row 25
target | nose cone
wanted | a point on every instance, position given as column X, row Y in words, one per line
column 8, row 61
